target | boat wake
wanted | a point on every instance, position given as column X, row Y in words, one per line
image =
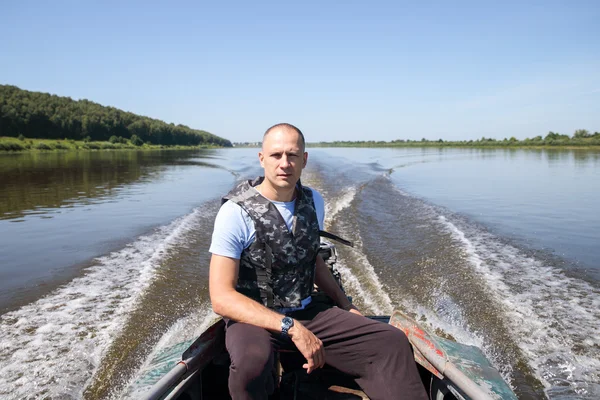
column 358, row 275
column 553, row 317
column 536, row 323
column 167, row 352
column 53, row 346
column 343, row 200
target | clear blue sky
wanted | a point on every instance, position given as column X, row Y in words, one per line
column 352, row 70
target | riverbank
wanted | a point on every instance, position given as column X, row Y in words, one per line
column 15, row 145
column 567, row 144
column 456, row 146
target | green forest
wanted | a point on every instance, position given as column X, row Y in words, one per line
column 25, row 114
column 36, row 115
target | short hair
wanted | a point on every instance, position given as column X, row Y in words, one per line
column 288, row 126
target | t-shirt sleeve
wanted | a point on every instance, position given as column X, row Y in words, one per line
column 319, row 208
column 231, row 234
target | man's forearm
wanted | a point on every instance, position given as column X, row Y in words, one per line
column 236, row 306
column 327, row 283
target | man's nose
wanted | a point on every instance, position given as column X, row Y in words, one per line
column 285, row 162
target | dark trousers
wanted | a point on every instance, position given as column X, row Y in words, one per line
column 378, row 355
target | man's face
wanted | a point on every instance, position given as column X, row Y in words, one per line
column 282, row 158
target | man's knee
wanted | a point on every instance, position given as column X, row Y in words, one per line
column 395, row 340
column 254, row 357
column 248, row 345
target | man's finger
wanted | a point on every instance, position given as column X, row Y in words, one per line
column 306, row 367
column 355, row 311
column 317, row 360
column 310, row 365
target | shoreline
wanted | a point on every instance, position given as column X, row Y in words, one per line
column 459, row 146
column 448, row 146
column 543, row 147
column 11, row 145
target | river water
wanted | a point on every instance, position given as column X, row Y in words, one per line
column 104, row 262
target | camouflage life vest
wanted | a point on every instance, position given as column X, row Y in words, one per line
column 278, row 268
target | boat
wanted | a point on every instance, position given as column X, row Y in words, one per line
column 449, row 370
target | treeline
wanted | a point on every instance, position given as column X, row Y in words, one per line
column 26, row 114
column 581, row 137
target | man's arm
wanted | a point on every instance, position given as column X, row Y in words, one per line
column 229, row 303
column 326, row 282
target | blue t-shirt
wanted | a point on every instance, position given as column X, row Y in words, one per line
column 234, row 229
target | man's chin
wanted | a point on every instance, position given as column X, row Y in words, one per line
column 285, row 182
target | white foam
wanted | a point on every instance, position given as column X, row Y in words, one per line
column 168, row 350
column 435, row 319
column 341, row 202
column 370, row 291
column 54, row 345
column 554, row 318
column 353, row 286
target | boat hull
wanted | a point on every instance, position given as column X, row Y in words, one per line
column 203, row 371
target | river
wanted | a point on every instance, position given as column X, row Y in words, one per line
column 104, row 262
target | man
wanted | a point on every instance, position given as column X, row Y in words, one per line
column 263, row 266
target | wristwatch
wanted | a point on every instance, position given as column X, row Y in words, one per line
column 286, row 324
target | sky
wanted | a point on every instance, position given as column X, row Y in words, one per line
column 351, row 70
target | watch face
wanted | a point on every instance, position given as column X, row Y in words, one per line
column 287, row 321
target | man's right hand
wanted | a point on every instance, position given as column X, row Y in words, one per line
column 309, row 345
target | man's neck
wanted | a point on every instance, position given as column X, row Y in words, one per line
column 276, row 195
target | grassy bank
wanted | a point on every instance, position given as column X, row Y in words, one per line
column 10, row 144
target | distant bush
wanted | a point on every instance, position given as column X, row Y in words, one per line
column 11, row 146
column 42, row 146
column 136, row 141
column 60, row 146
column 108, row 146
column 91, row 146
column 87, row 139
column 581, row 134
column 22, row 137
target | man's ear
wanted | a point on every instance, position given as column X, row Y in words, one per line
column 261, row 158
column 305, row 159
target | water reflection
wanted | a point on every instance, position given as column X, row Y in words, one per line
column 556, row 157
column 39, row 183
column 59, row 210
column 584, row 157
